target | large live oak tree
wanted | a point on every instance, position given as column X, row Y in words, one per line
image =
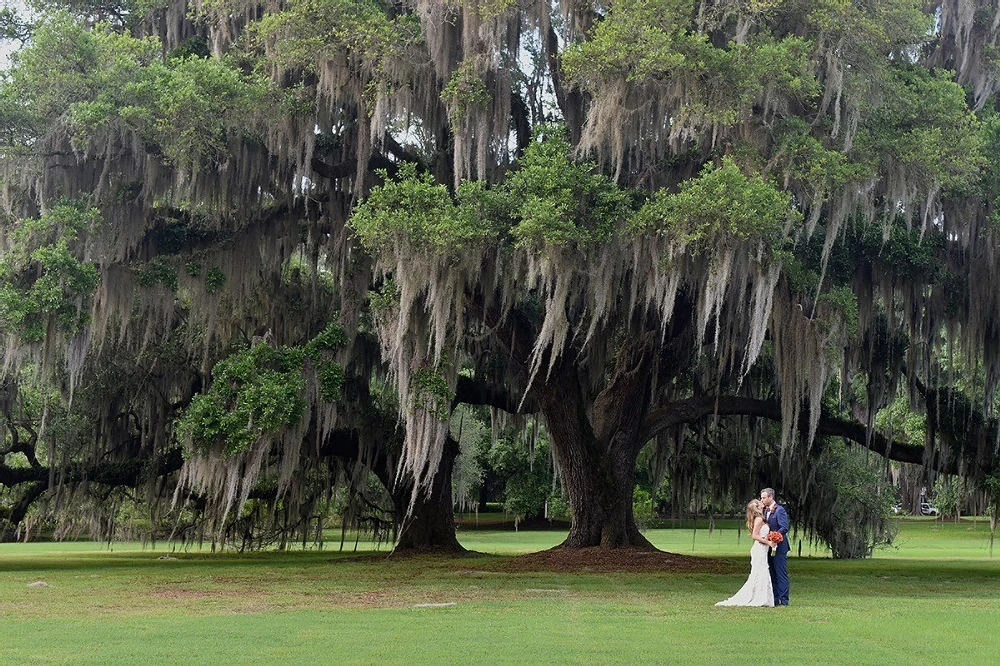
column 745, row 208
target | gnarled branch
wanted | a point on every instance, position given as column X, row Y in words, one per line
column 696, row 409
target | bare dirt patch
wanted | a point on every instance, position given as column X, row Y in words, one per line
column 369, row 599
column 609, row 560
column 564, row 560
column 180, row 593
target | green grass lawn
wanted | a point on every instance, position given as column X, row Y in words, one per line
column 931, row 600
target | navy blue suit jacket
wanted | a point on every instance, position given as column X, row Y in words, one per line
column 779, row 521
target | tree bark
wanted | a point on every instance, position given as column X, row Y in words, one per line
column 9, row 524
column 430, row 522
column 595, row 442
column 430, row 525
column 571, row 101
column 597, row 456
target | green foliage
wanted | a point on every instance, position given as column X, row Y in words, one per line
column 643, row 508
column 309, row 32
column 384, row 299
column 991, row 484
column 901, row 422
column 195, row 47
column 844, row 303
column 859, row 519
column 557, row 200
column 157, row 272
column 549, row 200
column 260, row 391
column 215, row 280
column 189, row 107
column 413, row 210
column 635, row 39
column 877, row 27
column 13, row 25
column 989, row 183
column 332, row 337
column 721, row 203
column 924, row 125
column 431, row 391
column 331, row 380
column 908, row 253
column 655, row 42
column 300, row 272
column 949, row 495
column 124, row 15
column 103, row 83
column 464, row 90
column 808, row 160
column 255, row 392
column 45, row 279
column 902, row 251
column 527, row 474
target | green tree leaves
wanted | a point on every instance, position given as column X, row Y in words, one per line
column 656, row 43
column 46, row 278
column 558, row 200
column 254, row 392
column 722, row 202
column 551, row 199
column 412, row 209
column 923, row 124
column 309, row 32
column 260, row 391
column 98, row 84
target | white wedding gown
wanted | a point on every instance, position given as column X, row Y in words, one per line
column 757, row 590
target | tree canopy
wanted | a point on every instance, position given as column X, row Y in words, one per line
column 647, row 221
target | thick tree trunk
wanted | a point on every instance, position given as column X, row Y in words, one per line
column 431, row 523
column 601, row 500
column 597, row 458
column 595, row 441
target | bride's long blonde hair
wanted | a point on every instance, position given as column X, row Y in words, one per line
column 754, row 511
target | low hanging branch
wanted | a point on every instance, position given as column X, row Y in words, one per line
column 130, row 472
column 697, row 409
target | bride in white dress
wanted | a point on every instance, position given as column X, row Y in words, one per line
column 757, row 590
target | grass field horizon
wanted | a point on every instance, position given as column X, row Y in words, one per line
column 930, row 599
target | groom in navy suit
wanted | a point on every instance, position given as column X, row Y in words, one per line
column 777, row 521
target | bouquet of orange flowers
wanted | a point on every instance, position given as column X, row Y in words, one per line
column 775, row 538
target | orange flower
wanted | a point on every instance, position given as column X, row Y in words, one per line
column 775, row 537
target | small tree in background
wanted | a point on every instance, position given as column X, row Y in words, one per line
column 859, row 517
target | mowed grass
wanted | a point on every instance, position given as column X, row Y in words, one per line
column 932, row 600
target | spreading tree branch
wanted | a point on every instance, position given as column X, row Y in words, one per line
column 471, row 391
column 696, row 409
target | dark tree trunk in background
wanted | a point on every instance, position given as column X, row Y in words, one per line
column 10, row 522
column 34, row 480
column 484, row 491
column 431, row 523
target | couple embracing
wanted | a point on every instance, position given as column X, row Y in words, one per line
column 768, row 581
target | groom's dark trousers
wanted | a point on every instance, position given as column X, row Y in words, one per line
column 777, row 520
